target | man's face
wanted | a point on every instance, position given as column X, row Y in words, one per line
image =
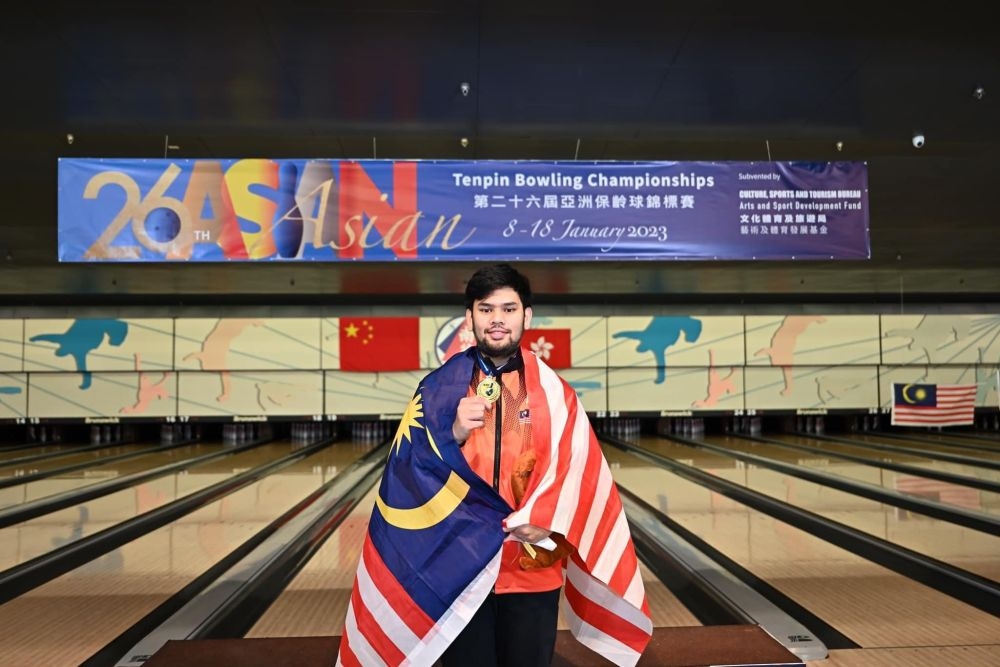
column 498, row 321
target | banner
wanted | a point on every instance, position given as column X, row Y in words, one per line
column 155, row 210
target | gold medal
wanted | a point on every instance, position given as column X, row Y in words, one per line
column 488, row 389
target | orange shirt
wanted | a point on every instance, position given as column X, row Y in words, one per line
column 479, row 451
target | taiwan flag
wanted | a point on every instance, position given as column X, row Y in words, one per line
column 550, row 345
column 375, row 344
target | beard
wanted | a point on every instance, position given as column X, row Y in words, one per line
column 498, row 350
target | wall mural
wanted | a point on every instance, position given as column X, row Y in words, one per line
column 333, row 367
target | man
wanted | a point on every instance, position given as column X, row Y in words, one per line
column 516, row 625
column 440, row 573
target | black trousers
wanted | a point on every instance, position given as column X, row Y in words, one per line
column 509, row 630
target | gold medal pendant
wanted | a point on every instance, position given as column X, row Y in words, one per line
column 488, row 389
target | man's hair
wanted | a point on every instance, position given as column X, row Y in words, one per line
column 489, row 279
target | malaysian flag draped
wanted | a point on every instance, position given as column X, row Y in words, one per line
column 933, row 404
column 434, row 540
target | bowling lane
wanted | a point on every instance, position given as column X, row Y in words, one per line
column 13, row 468
column 956, row 495
column 68, row 619
column 870, row 604
column 21, row 451
column 931, row 446
column 315, row 601
column 890, row 455
column 99, row 472
column 991, row 445
column 29, row 539
column 959, row 546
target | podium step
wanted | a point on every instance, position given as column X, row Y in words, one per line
column 699, row 646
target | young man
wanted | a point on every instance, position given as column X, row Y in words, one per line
column 443, row 571
column 516, row 625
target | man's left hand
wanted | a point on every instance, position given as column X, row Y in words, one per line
column 529, row 533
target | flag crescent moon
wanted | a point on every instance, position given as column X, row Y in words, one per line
column 432, row 512
column 906, row 394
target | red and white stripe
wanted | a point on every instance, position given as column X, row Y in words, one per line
column 576, row 497
column 602, row 620
column 384, row 626
column 956, row 406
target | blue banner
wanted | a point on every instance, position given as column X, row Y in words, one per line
column 138, row 210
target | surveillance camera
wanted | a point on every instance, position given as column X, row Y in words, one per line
column 918, row 140
column 464, row 142
column 70, row 138
column 978, row 92
column 465, row 88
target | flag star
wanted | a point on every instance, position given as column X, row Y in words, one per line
column 351, row 330
column 411, row 420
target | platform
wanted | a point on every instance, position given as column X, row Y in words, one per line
column 699, row 646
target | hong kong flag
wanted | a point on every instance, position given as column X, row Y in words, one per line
column 550, row 345
column 379, row 343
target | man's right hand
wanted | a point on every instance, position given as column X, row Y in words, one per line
column 471, row 415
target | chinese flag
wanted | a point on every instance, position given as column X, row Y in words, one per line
column 550, row 345
column 379, row 343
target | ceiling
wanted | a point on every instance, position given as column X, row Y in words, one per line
column 547, row 80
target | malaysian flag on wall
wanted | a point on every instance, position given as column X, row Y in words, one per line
column 933, row 404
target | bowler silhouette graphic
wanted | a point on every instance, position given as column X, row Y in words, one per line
column 82, row 338
column 661, row 333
